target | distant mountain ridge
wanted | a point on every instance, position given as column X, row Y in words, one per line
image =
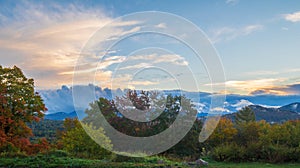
column 281, row 114
column 60, row 116
column 62, row 99
column 274, row 115
column 294, row 107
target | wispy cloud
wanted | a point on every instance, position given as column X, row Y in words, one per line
column 232, row 2
column 247, row 86
column 220, row 109
column 164, row 58
column 46, row 39
column 262, row 73
column 230, row 33
column 293, row 89
column 241, row 104
column 292, row 17
column 161, row 25
column 136, row 66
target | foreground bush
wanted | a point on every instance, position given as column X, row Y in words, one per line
column 228, row 152
column 79, row 144
column 255, row 141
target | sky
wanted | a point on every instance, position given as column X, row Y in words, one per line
column 257, row 42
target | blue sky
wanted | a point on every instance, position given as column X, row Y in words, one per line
column 257, row 41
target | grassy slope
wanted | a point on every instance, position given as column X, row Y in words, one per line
column 74, row 162
column 252, row 165
column 47, row 162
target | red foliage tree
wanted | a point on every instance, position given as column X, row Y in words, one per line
column 20, row 105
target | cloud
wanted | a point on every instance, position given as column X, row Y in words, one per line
column 136, row 66
column 267, row 106
column 161, row 25
column 199, row 106
column 57, row 100
column 241, row 104
column 292, row 17
column 220, row 109
column 164, row 58
column 259, row 92
column 293, row 89
column 45, row 39
column 125, row 70
column 61, row 100
column 229, row 33
column 265, row 86
column 99, row 66
column 292, row 70
column 231, row 2
column 248, row 86
column 262, row 73
column 144, row 83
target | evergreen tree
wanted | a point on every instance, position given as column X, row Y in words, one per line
column 244, row 115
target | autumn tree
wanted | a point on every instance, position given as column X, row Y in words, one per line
column 225, row 132
column 20, row 105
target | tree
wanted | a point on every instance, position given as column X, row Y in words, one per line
column 168, row 109
column 77, row 142
column 224, row 133
column 141, row 102
column 20, row 105
column 244, row 115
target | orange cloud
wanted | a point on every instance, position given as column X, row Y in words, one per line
column 47, row 43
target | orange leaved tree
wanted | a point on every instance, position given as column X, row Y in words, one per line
column 19, row 105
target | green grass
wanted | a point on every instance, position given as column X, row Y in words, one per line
column 50, row 161
column 252, row 165
column 62, row 162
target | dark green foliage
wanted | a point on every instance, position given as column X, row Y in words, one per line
column 58, row 153
column 122, row 158
column 244, row 115
column 51, row 161
column 143, row 129
column 260, row 141
column 46, row 129
column 189, row 147
column 229, row 152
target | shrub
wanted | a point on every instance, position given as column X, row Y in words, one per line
column 294, row 154
column 58, row 153
column 8, row 147
column 253, row 151
column 79, row 144
column 275, row 153
column 17, row 154
column 228, row 152
column 122, row 158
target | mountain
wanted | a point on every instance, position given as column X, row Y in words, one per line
column 62, row 99
column 60, row 116
column 294, row 107
column 272, row 115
